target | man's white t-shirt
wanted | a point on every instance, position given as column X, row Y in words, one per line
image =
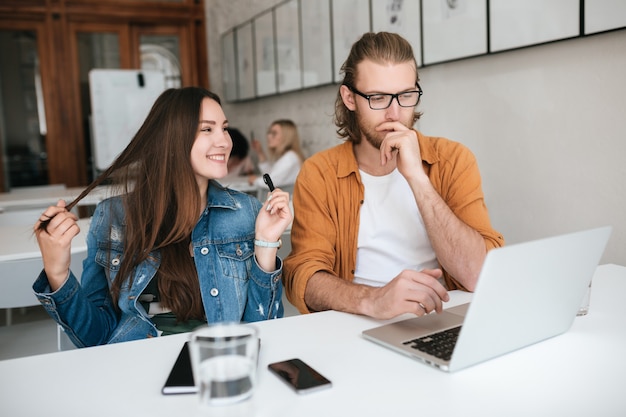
column 392, row 236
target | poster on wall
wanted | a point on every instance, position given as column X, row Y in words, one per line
column 288, row 47
column 265, row 58
column 603, row 15
column 245, row 62
column 229, row 75
column 317, row 66
column 518, row 23
column 350, row 21
column 401, row 17
column 454, row 29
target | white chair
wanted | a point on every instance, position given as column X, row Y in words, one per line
column 16, row 280
column 16, row 277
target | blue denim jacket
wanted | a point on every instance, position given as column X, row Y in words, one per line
column 233, row 286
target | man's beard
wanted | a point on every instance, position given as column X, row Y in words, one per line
column 374, row 137
column 371, row 135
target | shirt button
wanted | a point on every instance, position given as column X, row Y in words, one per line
column 204, row 251
column 115, row 261
column 214, row 292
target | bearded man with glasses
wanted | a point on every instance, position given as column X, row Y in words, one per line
column 389, row 221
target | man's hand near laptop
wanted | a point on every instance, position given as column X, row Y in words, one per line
column 417, row 292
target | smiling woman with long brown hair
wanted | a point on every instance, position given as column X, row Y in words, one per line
column 175, row 249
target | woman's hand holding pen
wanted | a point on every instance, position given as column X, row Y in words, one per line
column 273, row 219
column 274, row 216
column 55, row 242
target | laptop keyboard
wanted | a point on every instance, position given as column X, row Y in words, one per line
column 439, row 344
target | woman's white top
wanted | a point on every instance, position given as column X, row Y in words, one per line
column 283, row 172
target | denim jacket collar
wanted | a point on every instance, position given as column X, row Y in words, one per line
column 219, row 196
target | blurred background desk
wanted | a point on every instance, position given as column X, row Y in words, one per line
column 44, row 196
column 241, row 184
column 18, row 241
column 579, row 373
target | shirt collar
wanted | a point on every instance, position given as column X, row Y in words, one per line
column 427, row 150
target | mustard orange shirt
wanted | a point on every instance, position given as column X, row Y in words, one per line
column 327, row 200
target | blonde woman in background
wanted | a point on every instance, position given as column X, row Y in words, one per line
column 285, row 156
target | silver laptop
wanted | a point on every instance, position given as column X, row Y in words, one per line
column 526, row 293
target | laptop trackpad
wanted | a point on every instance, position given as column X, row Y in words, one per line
column 404, row 330
column 461, row 310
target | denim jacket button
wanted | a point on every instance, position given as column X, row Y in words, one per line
column 204, row 251
column 214, row 292
column 115, row 261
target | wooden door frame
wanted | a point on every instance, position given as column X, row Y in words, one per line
column 74, row 29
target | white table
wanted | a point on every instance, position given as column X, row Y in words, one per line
column 18, row 241
column 46, row 196
column 579, row 373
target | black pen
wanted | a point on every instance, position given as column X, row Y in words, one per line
column 268, row 181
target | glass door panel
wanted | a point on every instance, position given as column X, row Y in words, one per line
column 22, row 119
column 94, row 50
column 162, row 52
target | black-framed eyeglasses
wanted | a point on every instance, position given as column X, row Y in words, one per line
column 383, row 101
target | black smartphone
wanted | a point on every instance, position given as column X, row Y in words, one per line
column 180, row 379
column 299, row 376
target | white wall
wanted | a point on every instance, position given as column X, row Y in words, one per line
column 547, row 124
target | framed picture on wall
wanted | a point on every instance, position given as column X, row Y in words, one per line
column 603, row 15
column 402, row 17
column 453, row 29
column 518, row 23
column 288, row 47
column 265, row 54
column 317, row 68
column 245, row 62
column 229, row 69
column 351, row 19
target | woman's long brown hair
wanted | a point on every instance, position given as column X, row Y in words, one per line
column 161, row 199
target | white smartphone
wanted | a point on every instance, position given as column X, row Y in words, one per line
column 299, row 376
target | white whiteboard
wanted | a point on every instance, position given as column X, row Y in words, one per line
column 119, row 105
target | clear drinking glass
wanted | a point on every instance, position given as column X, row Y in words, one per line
column 224, row 362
